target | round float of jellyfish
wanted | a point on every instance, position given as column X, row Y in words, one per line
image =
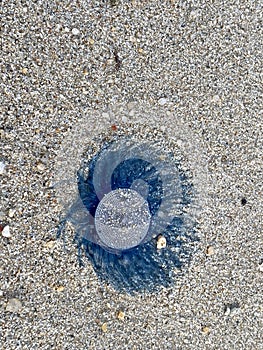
column 131, row 191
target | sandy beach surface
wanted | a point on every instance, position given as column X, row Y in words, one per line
column 71, row 70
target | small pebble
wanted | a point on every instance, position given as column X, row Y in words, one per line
column 121, row 315
column 162, row 101
column 105, row 115
column 232, row 309
column 75, row 31
column 210, row 251
column 50, row 244
column 91, row 41
column 2, row 168
column 104, row 327
column 227, row 311
column 11, row 213
column 161, row 242
column 59, row 288
column 41, row 166
column 50, row 259
column 206, row 330
column 132, row 113
column 6, row 232
column 58, row 27
column 243, row 201
column 216, row 99
column 114, row 127
column 13, row 305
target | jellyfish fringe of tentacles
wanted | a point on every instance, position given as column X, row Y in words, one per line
column 131, row 191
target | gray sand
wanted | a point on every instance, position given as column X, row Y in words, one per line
column 65, row 61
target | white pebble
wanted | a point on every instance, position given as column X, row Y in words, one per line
column 105, row 115
column 11, row 213
column 131, row 113
column 162, row 101
column 50, row 244
column 58, row 27
column 216, row 99
column 2, row 167
column 161, row 242
column 75, row 31
column 41, row 166
column 124, row 119
column 13, row 305
column 227, row 311
column 6, row 232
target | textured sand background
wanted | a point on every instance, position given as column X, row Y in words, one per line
column 202, row 61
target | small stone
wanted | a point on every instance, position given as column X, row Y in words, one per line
column 260, row 267
column 232, row 309
column 161, row 242
column 227, row 311
column 91, row 41
column 13, row 305
column 41, row 166
column 140, row 50
column 105, row 115
column 124, row 119
column 193, row 14
column 2, row 168
column 75, row 31
column 132, row 113
column 114, row 127
column 58, row 27
column 121, row 315
column 244, row 201
column 60, row 289
column 24, row 70
column 216, row 99
column 11, row 213
column 210, row 251
column 6, row 232
column 206, row 330
column 162, row 101
column 50, row 244
column 104, row 327
column 50, row 260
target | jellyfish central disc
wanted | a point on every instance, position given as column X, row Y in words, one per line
column 122, row 219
